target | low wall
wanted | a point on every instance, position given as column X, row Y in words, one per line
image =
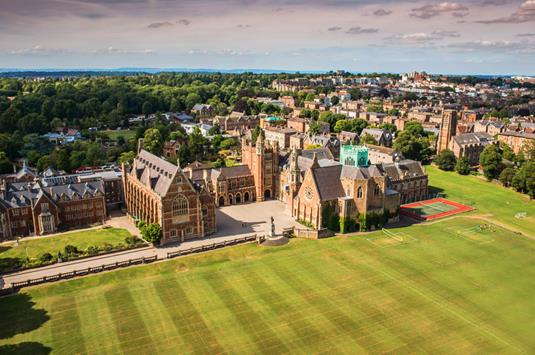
column 313, row 234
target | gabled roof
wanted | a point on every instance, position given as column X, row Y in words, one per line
column 154, row 172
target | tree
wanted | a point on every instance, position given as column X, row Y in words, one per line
column 356, row 125
column 446, row 160
column 368, row 139
column 506, row 176
column 152, row 233
column 315, row 128
column 412, row 146
column 524, row 179
column 491, row 161
column 5, row 164
column 152, row 141
column 228, row 143
column 127, row 157
column 463, row 166
column 257, row 131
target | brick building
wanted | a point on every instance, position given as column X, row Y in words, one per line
column 470, row 145
column 157, row 191
column 408, row 178
column 33, row 208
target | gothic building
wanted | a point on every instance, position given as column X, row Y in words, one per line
column 157, row 191
column 262, row 159
column 37, row 208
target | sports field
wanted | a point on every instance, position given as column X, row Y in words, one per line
column 437, row 291
column 461, row 285
column 432, row 209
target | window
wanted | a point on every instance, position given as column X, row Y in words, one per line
column 376, row 191
column 180, row 206
column 15, row 212
column 359, row 192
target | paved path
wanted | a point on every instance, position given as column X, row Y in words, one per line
column 233, row 222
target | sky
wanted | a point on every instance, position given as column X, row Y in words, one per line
column 454, row 37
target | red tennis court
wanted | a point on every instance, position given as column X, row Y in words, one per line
column 433, row 209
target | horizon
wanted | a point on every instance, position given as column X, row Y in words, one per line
column 487, row 37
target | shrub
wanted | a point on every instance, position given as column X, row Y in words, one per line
column 71, row 250
column 46, row 257
column 131, row 240
column 107, row 247
column 92, row 250
column 463, row 166
column 445, row 160
column 152, row 233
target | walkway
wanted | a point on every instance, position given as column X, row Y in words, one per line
column 233, row 222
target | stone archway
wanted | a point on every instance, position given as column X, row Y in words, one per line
column 246, row 197
column 221, row 201
column 267, row 194
column 238, row 198
column 230, row 200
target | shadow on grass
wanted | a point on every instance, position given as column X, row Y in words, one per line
column 19, row 316
column 4, row 248
column 30, row 348
column 434, row 191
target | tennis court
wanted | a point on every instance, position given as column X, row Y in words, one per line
column 433, row 209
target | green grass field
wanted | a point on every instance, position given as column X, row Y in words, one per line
column 34, row 248
column 444, row 287
column 127, row 134
column 488, row 198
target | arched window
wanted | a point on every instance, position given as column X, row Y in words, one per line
column 349, row 161
column 359, row 192
column 180, row 206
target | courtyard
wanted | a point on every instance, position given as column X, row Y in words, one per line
column 251, row 218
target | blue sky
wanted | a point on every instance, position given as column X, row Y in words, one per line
column 469, row 36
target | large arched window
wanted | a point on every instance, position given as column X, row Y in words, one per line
column 359, row 192
column 349, row 161
column 180, row 206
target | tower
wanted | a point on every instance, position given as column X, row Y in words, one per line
column 448, row 128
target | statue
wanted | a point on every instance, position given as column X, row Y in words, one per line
column 271, row 228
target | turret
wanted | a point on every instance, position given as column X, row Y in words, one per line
column 260, row 144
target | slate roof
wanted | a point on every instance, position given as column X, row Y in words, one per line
column 403, row 169
column 473, row 138
column 25, row 193
column 154, row 172
column 321, row 153
column 231, row 172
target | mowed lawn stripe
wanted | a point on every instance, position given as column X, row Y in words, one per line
column 250, row 321
column 307, row 335
column 312, row 297
column 353, row 295
column 63, row 321
column 129, row 326
column 96, row 324
column 384, row 304
column 187, row 320
column 457, row 316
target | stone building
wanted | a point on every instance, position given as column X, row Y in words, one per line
column 280, row 135
column 157, row 191
column 448, row 129
column 470, row 145
column 262, row 159
column 381, row 136
column 382, row 155
column 517, row 140
column 34, row 208
column 297, row 123
column 355, row 197
column 491, row 127
column 408, row 178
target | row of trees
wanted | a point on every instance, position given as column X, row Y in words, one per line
column 498, row 162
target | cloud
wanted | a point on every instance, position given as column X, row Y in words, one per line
column 382, row 12
column 243, row 26
column 184, row 22
column 334, row 29
column 525, row 13
column 432, row 10
column 526, row 35
column 359, row 30
column 459, row 14
column 39, row 50
column 113, row 50
column 160, row 25
column 422, row 37
column 494, row 46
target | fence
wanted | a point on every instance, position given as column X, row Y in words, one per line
column 15, row 286
column 213, row 246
